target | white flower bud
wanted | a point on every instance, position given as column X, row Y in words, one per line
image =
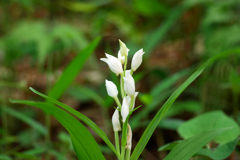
column 123, row 48
column 113, row 63
column 121, row 58
column 111, row 88
column 137, row 59
column 129, row 138
column 125, row 109
column 129, row 84
column 116, row 122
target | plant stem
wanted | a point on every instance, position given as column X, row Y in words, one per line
column 128, row 153
column 122, row 87
column 131, row 72
column 122, row 153
column 118, row 102
column 125, row 65
column 131, row 103
column 117, row 142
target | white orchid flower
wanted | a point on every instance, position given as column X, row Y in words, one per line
column 113, row 63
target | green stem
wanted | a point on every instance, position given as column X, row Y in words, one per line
column 128, row 153
column 125, row 65
column 124, row 139
column 122, row 153
column 131, row 103
column 131, row 72
column 117, row 142
column 122, row 87
column 118, row 102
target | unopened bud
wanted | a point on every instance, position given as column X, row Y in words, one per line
column 123, row 48
column 111, row 88
column 137, row 59
column 129, row 84
column 125, row 109
column 115, row 121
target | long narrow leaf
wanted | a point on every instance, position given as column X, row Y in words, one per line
column 82, row 117
column 154, row 123
column 72, row 70
column 188, row 147
column 84, row 144
column 31, row 122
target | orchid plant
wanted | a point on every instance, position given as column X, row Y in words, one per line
column 85, row 146
column 128, row 94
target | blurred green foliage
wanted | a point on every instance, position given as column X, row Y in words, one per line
column 51, row 31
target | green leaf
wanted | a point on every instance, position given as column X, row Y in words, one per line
column 82, row 117
column 5, row 157
column 84, row 144
column 72, row 70
column 154, row 123
column 77, row 92
column 221, row 152
column 211, row 120
column 184, row 106
column 169, row 146
column 34, row 124
column 188, row 147
column 158, row 96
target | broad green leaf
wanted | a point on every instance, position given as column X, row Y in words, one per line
column 188, row 147
column 34, row 124
column 84, row 144
column 72, row 70
column 82, row 117
column 211, row 120
column 154, row 123
column 221, row 152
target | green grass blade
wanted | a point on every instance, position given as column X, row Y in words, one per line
column 34, row 124
column 154, row 123
column 158, row 96
column 82, row 117
column 188, row 147
column 84, row 144
column 72, row 70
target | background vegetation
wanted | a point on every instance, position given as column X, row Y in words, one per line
column 53, row 47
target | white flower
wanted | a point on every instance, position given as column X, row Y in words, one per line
column 129, row 84
column 121, row 58
column 123, row 48
column 113, row 63
column 111, row 89
column 137, row 59
column 115, row 121
column 125, row 109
